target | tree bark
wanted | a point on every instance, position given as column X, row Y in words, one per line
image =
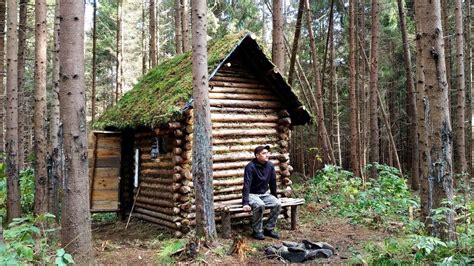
column 23, row 99
column 118, row 52
column 144, row 51
column 2, row 76
column 412, row 147
column 151, row 12
column 438, row 184
column 374, row 78
column 202, row 143
column 468, row 64
column 94, row 59
column 296, row 38
column 460, row 163
column 354, row 150
column 278, row 45
column 185, row 25
column 55, row 148
column 40, row 143
column 76, row 222
column 178, row 27
column 11, row 138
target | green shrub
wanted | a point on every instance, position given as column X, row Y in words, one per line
column 26, row 243
column 376, row 202
column 27, row 190
column 169, row 247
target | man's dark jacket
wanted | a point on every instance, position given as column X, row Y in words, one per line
column 257, row 178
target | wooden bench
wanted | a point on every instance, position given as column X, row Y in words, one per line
column 229, row 211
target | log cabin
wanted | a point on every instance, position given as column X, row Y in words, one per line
column 142, row 146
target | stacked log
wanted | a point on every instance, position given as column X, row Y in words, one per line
column 160, row 181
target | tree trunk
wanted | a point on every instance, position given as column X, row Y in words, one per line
column 354, row 150
column 40, row 143
column 11, row 138
column 185, row 25
column 468, row 64
column 118, row 52
column 178, row 27
column 438, row 183
column 328, row 153
column 23, row 101
column 76, row 222
column 374, row 79
column 144, row 51
column 460, row 163
column 332, row 73
column 2, row 76
column 94, row 60
column 278, row 45
column 151, row 12
column 445, row 12
column 55, row 133
column 296, row 38
column 202, row 144
column 412, row 147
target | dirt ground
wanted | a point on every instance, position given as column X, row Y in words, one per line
column 142, row 241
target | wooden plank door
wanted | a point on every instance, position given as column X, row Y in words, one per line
column 104, row 170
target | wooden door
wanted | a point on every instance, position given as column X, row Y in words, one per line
column 104, row 170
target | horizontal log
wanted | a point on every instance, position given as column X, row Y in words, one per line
column 156, row 202
column 287, row 182
column 183, row 198
column 235, row 84
column 156, row 172
column 234, row 173
column 217, row 117
column 174, row 187
column 235, row 90
column 170, row 211
column 159, row 215
column 245, row 103
column 285, row 172
column 238, row 96
column 283, row 166
column 246, row 80
column 243, row 110
column 159, row 194
column 157, row 164
column 172, row 225
column 258, row 140
column 185, row 182
column 229, row 148
column 283, row 113
column 283, row 143
column 246, row 156
column 284, row 136
column 219, row 125
column 228, row 189
column 233, row 165
column 161, row 157
column 243, row 132
column 153, row 180
column 178, row 159
column 178, row 133
column 189, row 129
column 188, row 146
column 228, row 196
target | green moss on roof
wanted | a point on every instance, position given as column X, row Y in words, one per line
column 160, row 94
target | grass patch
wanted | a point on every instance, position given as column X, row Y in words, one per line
column 169, row 247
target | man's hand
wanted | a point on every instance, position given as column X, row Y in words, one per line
column 247, row 208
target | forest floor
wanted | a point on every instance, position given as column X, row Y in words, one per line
column 142, row 242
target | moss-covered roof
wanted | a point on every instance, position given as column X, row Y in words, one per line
column 163, row 91
column 160, row 95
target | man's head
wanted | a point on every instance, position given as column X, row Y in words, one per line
column 262, row 153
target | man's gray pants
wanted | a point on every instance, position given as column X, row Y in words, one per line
column 258, row 202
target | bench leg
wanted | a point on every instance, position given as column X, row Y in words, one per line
column 294, row 217
column 226, row 227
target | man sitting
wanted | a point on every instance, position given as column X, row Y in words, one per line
column 258, row 175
